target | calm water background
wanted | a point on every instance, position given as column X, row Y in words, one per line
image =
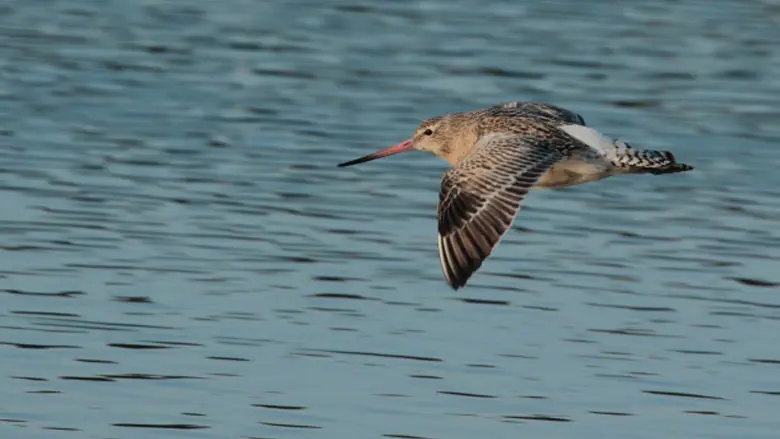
column 180, row 257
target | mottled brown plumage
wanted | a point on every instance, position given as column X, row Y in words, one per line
column 500, row 153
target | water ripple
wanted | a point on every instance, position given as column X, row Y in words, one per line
column 180, row 255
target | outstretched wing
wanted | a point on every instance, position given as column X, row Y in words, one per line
column 480, row 196
column 545, row 111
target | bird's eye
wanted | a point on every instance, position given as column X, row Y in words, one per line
column 428, row 132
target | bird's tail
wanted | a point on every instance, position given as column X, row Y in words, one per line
column 624, row 157
column 645, row 160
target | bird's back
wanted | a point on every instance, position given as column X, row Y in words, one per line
column 540, row 111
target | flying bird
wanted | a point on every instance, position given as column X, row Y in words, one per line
column 497, row 155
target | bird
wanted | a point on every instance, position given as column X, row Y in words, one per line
column 497, row 154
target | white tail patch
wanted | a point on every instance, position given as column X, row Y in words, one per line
column 592, row 138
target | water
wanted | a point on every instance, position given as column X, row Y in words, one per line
column 181, row 257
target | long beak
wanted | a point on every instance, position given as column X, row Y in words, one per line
column 406, row 145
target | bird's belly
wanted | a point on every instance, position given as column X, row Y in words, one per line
column 575, row 170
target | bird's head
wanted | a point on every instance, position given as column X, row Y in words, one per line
column 433, row 135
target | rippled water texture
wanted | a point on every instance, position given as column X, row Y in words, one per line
column 180, row 257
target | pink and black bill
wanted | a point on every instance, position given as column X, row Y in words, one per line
column 406, row 145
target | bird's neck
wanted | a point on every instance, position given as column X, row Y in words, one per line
column 461, row 144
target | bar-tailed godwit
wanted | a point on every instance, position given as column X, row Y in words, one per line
column 497, row 154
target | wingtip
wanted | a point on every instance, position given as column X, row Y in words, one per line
column 457, row 283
